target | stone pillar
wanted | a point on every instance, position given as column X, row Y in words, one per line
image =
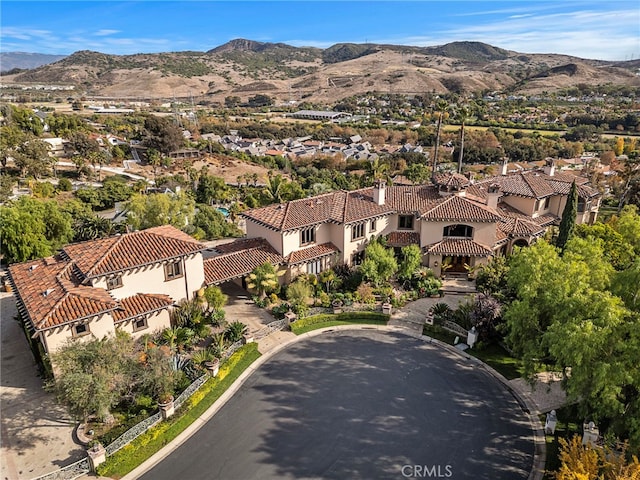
column 550, row 423
column 212, row 367
column 472, row 337
column 97, row 455
column 386, row 308
column 591, row 433
column 167, row 409
column 248, row 338
column 290, row 317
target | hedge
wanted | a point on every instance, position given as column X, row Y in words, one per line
column 329, row 320
column 150, row 442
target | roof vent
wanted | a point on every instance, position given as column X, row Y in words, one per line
column 32, row 268
column 48, row 292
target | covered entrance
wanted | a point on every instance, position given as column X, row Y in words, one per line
column 458, row 263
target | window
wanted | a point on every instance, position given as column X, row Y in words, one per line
column 357, row 258
column 308, row 235
column 81, row 330
column 139, row 324
column 464, row 231
column 546, row 202
column 173, row 270
column 357, row 231
column 405, row 222
column 314, row 267
column 374, row 225
column 114, row 282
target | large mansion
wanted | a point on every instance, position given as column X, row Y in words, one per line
column 131, row 281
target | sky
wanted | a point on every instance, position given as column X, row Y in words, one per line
column 603, row 29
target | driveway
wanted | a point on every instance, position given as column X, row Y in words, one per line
column 36, row 432
column 241, row 307
column 360, row 405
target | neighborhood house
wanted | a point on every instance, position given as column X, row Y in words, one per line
column 131, row 281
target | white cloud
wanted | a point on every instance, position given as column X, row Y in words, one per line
column 105, row 32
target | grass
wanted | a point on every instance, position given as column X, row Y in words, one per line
column 569, row 424
column 150, row 442
column 499, row 359
column 439, row 333
column 315, row 322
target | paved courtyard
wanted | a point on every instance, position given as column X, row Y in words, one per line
column 360, row 404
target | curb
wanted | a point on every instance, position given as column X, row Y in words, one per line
column 539, row 455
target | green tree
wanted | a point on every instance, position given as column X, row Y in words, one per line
column 379, row 263
column 212, row 189
column 417, row 173
column 328, row 278
column 442, row 106
column 568, row 221
column 215, row 298
column 411, row 260
column 263, row 279
column 299, row 292
column 210, row 224
column 92, row 376
column 162, row 135
column 32, row 228
column 146, row 211
column 33, row 159
column 627, row 224
column 462, row 115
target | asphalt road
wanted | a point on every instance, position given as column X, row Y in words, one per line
column 360, row 405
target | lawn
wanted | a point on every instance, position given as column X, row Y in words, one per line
column 499, row 359
column 315, row 322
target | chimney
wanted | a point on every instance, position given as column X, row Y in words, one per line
column 550, row 167
column 493, row 195
column 503, row 169
column 379, row 190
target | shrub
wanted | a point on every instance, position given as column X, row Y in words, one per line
column 364, row 293
column 278, row 311
column 65, row 185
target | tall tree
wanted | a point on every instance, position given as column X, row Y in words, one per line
column 379, row 263
column 442, row 106
column 146, row 211
column 568, row 222
column 462, row 116
column 162, row 135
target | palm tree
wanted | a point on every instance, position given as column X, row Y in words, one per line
column 274, row 184
column 462, row 115
column 263, row 279
column 442, row 106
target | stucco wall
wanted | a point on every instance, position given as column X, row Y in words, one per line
column 158, row 321
column 151, row 279
column 98, row 328
column 525, row 205
column 255, row 230
column 483, row 232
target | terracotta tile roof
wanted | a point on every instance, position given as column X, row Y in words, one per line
column 311, row 253
column 451, row 180
column 519, row 227
column 140, row 304
column 343, row 207
column 113, row 254
column 402, row 239
column 239, row 258
column 52, row 295
column 456, row 246
column 458, row 208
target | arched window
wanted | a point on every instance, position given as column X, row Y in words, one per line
column 460, row 231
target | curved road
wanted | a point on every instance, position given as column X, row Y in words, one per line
column 360, row 405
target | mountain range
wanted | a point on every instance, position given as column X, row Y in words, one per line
column 245, row 68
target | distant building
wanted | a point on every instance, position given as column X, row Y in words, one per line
column 319, row 115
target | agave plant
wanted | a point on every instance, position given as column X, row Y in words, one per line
column 235, row 331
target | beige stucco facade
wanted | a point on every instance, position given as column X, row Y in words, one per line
column 99, row 327
column 152, row 279
column 155, row 322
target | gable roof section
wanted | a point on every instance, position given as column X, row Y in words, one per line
column 139, row 305
column 457, row 208
column 402, row 239
column 457, row 246
column 101, row 257
column 311, row 253
column 52, row 295
column 239, row 258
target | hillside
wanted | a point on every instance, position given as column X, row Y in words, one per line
column 245, row 68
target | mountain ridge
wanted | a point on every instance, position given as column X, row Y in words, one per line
column 341, row 70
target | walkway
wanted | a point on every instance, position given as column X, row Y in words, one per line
column 240, row 307
column 37, row 433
